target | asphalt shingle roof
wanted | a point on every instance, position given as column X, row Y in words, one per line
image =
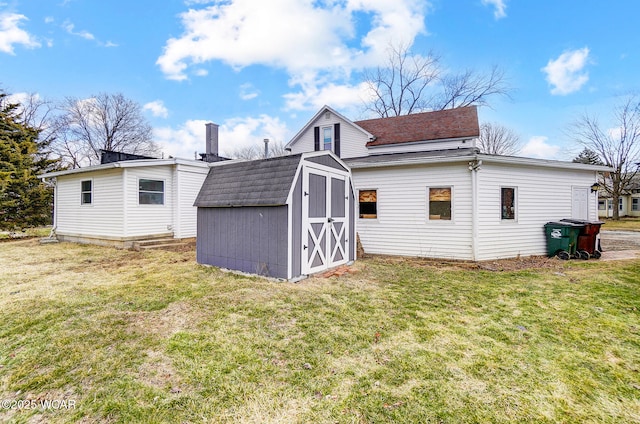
column 253, row 183
column 439, row 125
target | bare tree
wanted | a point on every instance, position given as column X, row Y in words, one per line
column 618, row 145
column 101, row 122
column 255, row 151
column 470, row 88
column 410, row 83
column 400, row 87
column 496, row 139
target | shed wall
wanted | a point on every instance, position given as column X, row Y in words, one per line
column 248, row 239
column 402, row 226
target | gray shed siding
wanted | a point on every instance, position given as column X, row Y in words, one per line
column 327, row 161
column 252, row 240
column 296, row 230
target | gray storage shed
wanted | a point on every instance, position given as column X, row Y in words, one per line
column 282, row 217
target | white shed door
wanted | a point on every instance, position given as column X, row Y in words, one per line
column 325, row 220
column 580, row 203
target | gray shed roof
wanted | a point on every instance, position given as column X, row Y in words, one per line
column 265, row 182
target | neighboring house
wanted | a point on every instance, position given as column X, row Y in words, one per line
column 628, row 203
column 127, row 198
column 282, row 217
column 423, row 188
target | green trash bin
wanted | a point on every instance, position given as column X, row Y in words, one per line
column 562, row 239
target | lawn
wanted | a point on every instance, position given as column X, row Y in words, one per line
column 623, row 224
column 153, row 337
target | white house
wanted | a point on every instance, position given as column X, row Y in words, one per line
column 118, row 203
column 424, row 190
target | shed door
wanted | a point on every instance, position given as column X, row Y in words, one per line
column 580, row 203
column 325, row 205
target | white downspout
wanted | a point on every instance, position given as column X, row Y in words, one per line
column 474, row 167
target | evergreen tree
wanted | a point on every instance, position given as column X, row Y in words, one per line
column 588, row 156
column 25, row 201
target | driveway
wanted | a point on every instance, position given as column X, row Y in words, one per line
column 620, row 244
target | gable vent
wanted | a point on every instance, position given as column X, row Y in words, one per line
column 327, row 115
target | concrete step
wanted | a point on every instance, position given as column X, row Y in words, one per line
column 164, row 245
column 155, row 241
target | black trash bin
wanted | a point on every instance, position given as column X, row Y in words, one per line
column 588, row 240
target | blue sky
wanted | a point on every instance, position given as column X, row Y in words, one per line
column 261, row 69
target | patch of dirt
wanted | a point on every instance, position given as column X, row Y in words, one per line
column 512, row 264
column 158, row 371
column 176, row 317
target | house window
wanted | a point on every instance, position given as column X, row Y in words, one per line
column 602, row 205
column 368, row 201
column 327, row 138
column 440, row 203
column 508, row 202
column 620, row 204
column 86, row 192
column 634, row 204
column 150, row 192
column 610, row 204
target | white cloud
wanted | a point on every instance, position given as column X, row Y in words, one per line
column 322, row 35
column 233, row 134
column 537, row 147
column 157, row 108
column 500, row 7
column 69, row 27
column 565, row 74
column 248, row 91
column 49, row 19
column 314, row 96
column 11, row 33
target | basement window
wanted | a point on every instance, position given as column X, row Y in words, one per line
column 508, row 202
column 440, row 203
column 368, row 201
column 86, row 192
column 150, row 192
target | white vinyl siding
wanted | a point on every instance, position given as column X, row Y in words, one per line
column 103, row 217
column 352, row 140
column 422, row 147
column 402, row 226
column 188, row 181
column 141, row 219
column 542, row 195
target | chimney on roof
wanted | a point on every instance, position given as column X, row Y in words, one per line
column 212, row 139
column 266, row 148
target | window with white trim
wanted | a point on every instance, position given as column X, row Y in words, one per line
column 508, row 203
column 440, row 203
column 368, row 204
column 634, row 204
column 327, row 138
column 86, row 192
column 602, row 205
column 150, row 192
